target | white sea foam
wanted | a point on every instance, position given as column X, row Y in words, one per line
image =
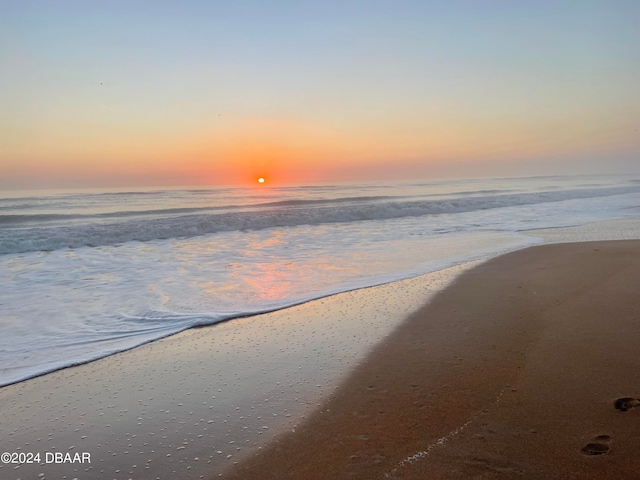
column 143, row 265
column 19, row 234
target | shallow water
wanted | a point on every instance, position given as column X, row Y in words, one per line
column 86, row 274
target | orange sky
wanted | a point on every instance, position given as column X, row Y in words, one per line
column 298, row 95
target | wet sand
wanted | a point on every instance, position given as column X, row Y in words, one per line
column 512, row 372
column 526, row 368
column 190, row 405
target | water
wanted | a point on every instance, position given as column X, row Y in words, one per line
column 87, row 274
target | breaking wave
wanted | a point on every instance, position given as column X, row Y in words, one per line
column 28, row 233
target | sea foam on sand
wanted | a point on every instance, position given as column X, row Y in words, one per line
column 202, row 399
column 196, row 403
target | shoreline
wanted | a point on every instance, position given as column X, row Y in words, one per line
column 617, row 229
column 206, row 403
column 212, row 394
column 437, row 269
column 512, row 372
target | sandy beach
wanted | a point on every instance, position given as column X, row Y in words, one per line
column 526, row 368
column 193, row 404
column 513, row 371
column 319, row 240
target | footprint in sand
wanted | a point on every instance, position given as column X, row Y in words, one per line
column 626, row 403
column 599, row 446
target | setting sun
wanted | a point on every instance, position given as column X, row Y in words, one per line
column 261, row 180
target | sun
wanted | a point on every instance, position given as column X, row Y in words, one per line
column 261, row 180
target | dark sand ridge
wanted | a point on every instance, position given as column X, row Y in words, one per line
column 528, row 367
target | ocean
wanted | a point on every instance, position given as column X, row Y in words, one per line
column 85, row 274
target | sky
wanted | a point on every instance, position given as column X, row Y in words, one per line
column 144, row 93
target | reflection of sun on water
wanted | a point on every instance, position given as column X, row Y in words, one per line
column 270, row 281
column 261, row 270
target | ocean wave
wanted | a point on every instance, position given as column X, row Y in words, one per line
column 18, row 219
column 54, row 237
column 321, row 201
column 14, row 219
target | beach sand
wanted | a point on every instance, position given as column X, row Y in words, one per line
column 511, row 372
column 190, row 405
column 515, row 371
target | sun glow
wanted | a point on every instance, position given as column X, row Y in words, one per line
column 261, row 180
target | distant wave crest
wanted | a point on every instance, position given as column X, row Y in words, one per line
column 182, row 223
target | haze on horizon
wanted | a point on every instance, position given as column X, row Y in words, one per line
column 100, row 94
